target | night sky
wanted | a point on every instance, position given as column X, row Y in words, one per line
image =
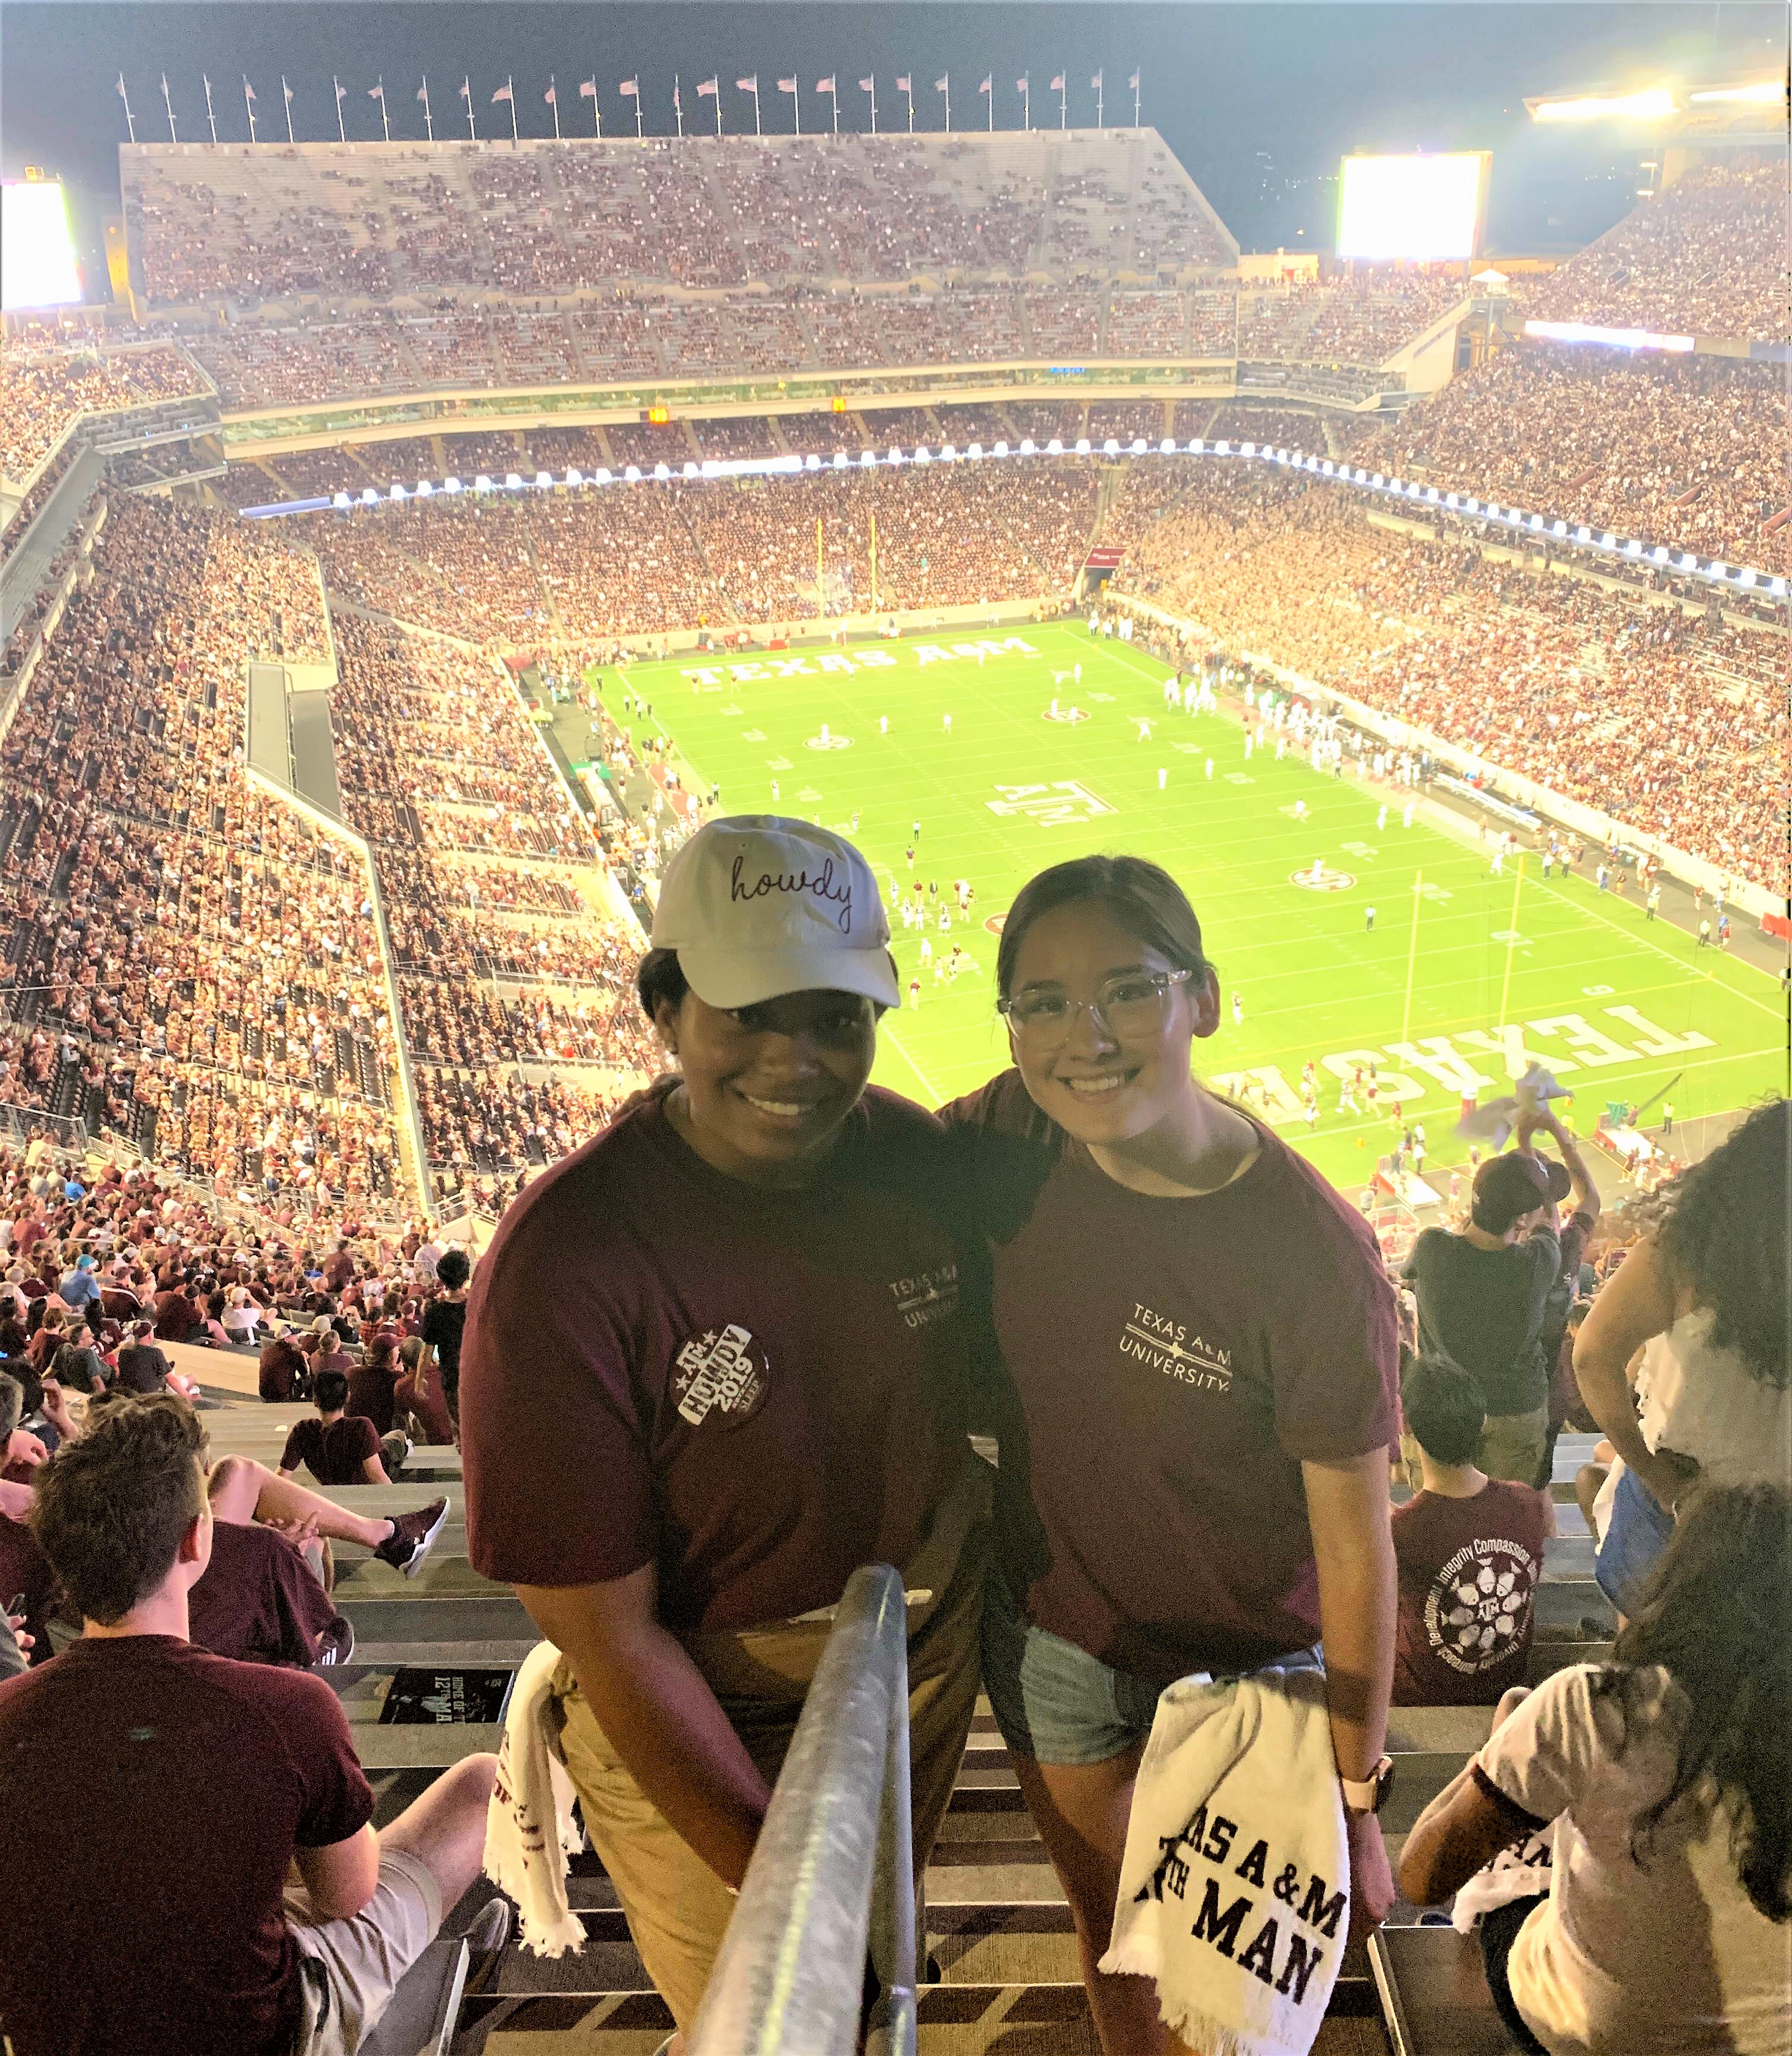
column 1259, row 101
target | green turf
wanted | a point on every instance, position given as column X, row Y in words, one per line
column 1313, row 982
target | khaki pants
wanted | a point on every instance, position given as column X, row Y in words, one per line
column 677, row 1908
column 1513, row 1446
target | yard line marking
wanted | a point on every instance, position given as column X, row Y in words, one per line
column 927, row 1084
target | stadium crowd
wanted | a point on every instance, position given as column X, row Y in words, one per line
column 1689, row 451
column 1705, row 257
column 1645, row 712
column 41, row 395
column 1361, row 315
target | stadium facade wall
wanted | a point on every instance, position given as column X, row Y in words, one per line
column 1541, row 799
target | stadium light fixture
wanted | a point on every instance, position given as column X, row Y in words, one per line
column 922, row 454
column 1081, row 446
column 452, row 485
column 1055, row 448
column 1718, row 568
column 1222, row 447
column 481, row 482
column 1656, row 102
column 1002, row 446
column 1633, row 548
column 544, row 481
column 1768, row 93
column 1777, row 587
column 1688, row 561
column 895, row 456
column 662, row 471
column 1111, row 447
column 369, row 497
column 1138, row 445
column 1451, row 499
column 398, row 492
column 975, row 452
column 425, row 490
column 1658, row 554
column 949, row 452
column 1746, row 576
column 867, row 458
column 1559, row 528
column 1536, row 520
column 604, row 475
column 1248, row 449
column 342, row 500
column 841, row 460
column 513, row 481
column 1028, row 448
column 1167, row 447
column 1608, row 541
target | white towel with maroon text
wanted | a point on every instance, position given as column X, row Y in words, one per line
column 1235, row 1887
column 529, row 1828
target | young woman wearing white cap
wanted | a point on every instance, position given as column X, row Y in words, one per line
column 1200, row 1351
column 714, row 1361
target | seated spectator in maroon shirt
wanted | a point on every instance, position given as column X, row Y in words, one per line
column 141, row 1366
column 339, row 1267
column 1469, row 1553
column 260, row 1602
column 283, row 1366
column 340, row 1448
column 49, row 1339
column 330, row 1355
column 177, row 1317
column 373, row 1383
column 161, row 1921
column 419, row 1392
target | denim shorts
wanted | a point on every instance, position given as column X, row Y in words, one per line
column 1054, row 1702
column 1640, row 1529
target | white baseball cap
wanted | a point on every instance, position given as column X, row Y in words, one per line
column 757, row 906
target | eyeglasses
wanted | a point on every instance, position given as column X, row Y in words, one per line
column 1129, row 1005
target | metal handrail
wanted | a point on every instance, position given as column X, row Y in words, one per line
column 833, row 1871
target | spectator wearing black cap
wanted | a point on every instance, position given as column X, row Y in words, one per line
column 1484, row 1296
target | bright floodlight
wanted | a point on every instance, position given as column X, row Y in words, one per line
column 36, row 255
column 1415, row 206
column 1768, row 93
column 1653, row 105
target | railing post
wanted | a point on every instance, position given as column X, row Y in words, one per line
column 890, row 2030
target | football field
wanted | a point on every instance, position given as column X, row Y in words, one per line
column 1616, row 1007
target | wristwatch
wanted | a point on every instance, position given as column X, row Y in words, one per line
column 1370, row 1794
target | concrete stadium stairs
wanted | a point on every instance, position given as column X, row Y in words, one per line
column 1004, row 1958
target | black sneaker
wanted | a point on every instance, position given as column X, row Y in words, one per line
column 336, row 1644
column 486, row 1938
column 413, row 1537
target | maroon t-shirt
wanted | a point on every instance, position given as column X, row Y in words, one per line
column 334, row 1455
column 1469, row 1571
column 1169, row 1365
column 166, row 1789
column 24, row 1568
column 258, row 1600
column 370, row 1393
column 757, row 1390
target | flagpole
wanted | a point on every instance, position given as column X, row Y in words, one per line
column 385, row 119
column 428, row 121
column 945, row 87
column 908, row 92
column 286, row 95
column 757, row 130
column 342, row 133
column 211, row 119
column 718, row 99
column 871, row 88
column 988, row 90
column 130, row 120
column 1027, row 102
column 1411, row 954
column 467, row 95
column 249, row 104
column 1511, row 945
column 637, row 127
column 554, row 101
column 512, row 84
column 168, row 104
column 834, row 96
column 597, row 111
column 1064, row 100
column 677, row 105
column 1096, row 82
column 1136, row 100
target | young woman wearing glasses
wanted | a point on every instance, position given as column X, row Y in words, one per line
column 1200, row 1352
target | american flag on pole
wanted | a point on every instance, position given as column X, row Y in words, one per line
column 1021, row 83
column 708, row 87
column 942, row 85
column 503, row 93
column 588, row 89
column 786, row 85
column 551, row 97
column 903, row 85
column 122, row 93
column 247, row 87
column 630, row 88
column 987, row 83
column 341, row 90
column 1134, row 81
column 423, row 94
column 1057, row 84
column 825, row 84
column 1096, row 82
column 286, row 89
column 677, row 105
column 467, row 91
column 749, row 84
column 867, row 85
column 376, row 92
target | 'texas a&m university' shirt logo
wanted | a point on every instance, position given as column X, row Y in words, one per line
column 725, row 1374
column 1163, row 1343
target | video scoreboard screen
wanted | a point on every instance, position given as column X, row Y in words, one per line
column 36, row 252
column 1424, row 208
